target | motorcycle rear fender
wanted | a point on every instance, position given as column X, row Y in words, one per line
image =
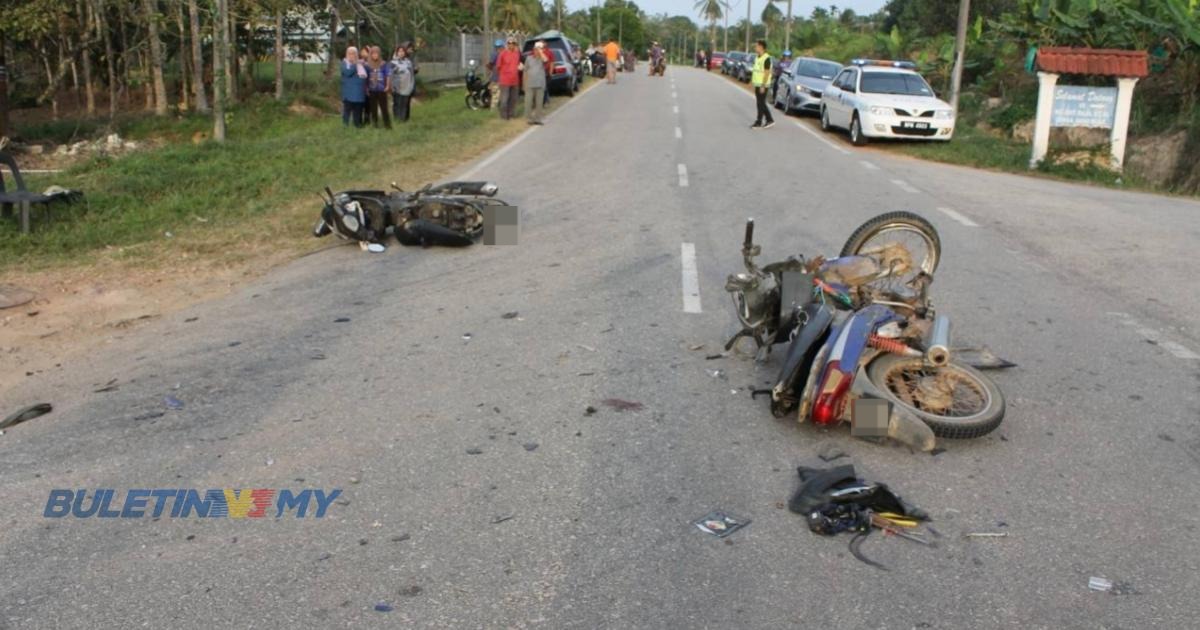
column 903, row 425
column 805, row 344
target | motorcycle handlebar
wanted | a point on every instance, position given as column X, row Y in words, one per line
column 749, row 234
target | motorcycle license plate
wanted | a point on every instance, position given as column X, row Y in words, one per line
column 908, row 124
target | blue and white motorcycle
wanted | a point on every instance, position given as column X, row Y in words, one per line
column 862, row 326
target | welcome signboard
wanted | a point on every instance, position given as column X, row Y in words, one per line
column 1083, row 106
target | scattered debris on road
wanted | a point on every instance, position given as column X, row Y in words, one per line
column 982, row 358
column 173, row 403
column 589, row 410
column 110, row 386
column 1100, row 584
column 474, row 451
column 509, row 315
column 25, row 414
column 621, row 405
column 720, row 523
column 382, row 607
column 501, row 519
column 530, row 446
column 986, row 535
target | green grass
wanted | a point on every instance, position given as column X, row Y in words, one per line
column 266, row 177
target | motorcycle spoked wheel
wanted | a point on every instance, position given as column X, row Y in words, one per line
column 891, row 226
column 956, row 401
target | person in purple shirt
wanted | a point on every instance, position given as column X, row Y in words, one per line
column 379, row 84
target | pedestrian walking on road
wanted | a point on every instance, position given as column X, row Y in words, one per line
column 612, row 56
column 508, row 73
column 379, row 84
column 761, row 80
column 354, row 88
column 537, row 64
column 403, row 83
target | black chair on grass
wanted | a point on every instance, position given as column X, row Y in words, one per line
column 22, row 197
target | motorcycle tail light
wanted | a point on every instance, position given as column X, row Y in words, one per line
column 831, row 395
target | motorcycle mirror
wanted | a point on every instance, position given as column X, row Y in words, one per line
column 749, row 233
column 330, row 193
column 397, row 187
column 471, row 63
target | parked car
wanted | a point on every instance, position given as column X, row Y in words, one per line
column 802, row 83
column 555, row 40
column 745, row 67
column 715, row 60
column 885, row 99
column 727, row 61
column 564, row 74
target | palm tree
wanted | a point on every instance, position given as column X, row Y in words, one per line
column 712, row 11
column 771, row 16
column 517, row 15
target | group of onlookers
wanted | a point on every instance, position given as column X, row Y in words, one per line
column 512, row 72
column 368, row 80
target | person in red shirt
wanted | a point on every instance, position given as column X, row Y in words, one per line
column 508, row 73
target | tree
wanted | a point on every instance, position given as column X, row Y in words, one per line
column 711, row 10
column 156, row 57
column 771, row 17
column 220, row 54
column 516, row 15
column 197, row 59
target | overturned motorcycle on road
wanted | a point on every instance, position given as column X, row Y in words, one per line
column 862, row 326
column 450, row 214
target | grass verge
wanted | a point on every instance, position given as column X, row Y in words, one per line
column 193, row 198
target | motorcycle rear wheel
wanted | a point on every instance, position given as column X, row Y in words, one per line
column 472, row 101
column 956, row 401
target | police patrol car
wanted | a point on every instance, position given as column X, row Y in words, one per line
column 885, row 99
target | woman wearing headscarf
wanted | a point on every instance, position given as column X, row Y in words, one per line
column 354, row 87
column 379, row 83
column 403, row 83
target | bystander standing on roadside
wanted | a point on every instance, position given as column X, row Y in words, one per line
column 612, row 54
column 379, row 83
column 494, row 75
column 508, row 73
column 354, row 88
column 760, row 78
column 537, row 65
column 403, row 83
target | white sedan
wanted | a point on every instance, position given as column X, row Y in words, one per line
column 885, row 99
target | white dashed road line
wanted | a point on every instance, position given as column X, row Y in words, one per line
column 869, row 166
column 678, row 133
column 673, row 95
column 954, row 214
column 683, row 181
column 1178, row 350
column 691, row 279
column 675, row 108
column 905, row 186
column 816, row 135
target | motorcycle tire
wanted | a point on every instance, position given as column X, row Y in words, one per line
column 897, row 221
column 486, row 99
column 897, row 378
column 472, row 102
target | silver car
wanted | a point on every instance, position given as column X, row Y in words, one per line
column 802, row 83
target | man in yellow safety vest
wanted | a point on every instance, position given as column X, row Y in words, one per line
column 761, row 80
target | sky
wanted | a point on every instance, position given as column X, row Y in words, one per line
column 686, row 7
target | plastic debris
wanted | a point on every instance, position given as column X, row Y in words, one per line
column 466, row 336
column 501, row 519
column 110, row 386
column 720, row 523
column 530, row 446
column 173, row 403
column 382, row 607
column 341, row 320
column 509, row 315
column 986, row 535
column 621, row 405
column 1100, row 584
column 28, row 413
column 474, row 451
column 586, row 347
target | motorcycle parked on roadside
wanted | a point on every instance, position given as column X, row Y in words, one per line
column 449, row 214
column 479, row 94
column 862, row 325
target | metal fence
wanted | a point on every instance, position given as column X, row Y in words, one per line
column 446, row 57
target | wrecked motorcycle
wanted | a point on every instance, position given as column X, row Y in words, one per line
column 862, row 326
column 449, row 214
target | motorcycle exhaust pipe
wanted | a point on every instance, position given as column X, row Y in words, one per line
column 937, row 344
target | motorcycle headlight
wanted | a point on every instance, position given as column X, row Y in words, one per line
column 882, row 111
column 944, row 114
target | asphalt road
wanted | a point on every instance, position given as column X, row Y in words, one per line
column 1093, row 473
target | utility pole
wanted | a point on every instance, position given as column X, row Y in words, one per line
column 487, row 28
column 748, row 29
column 597, row 21
column 3, row 89
column 726, row 12
column 960, row 44
column 787, row 34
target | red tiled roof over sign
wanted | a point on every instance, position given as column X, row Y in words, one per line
column 1096, row 61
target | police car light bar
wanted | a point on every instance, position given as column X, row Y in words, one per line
column 908, row 65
